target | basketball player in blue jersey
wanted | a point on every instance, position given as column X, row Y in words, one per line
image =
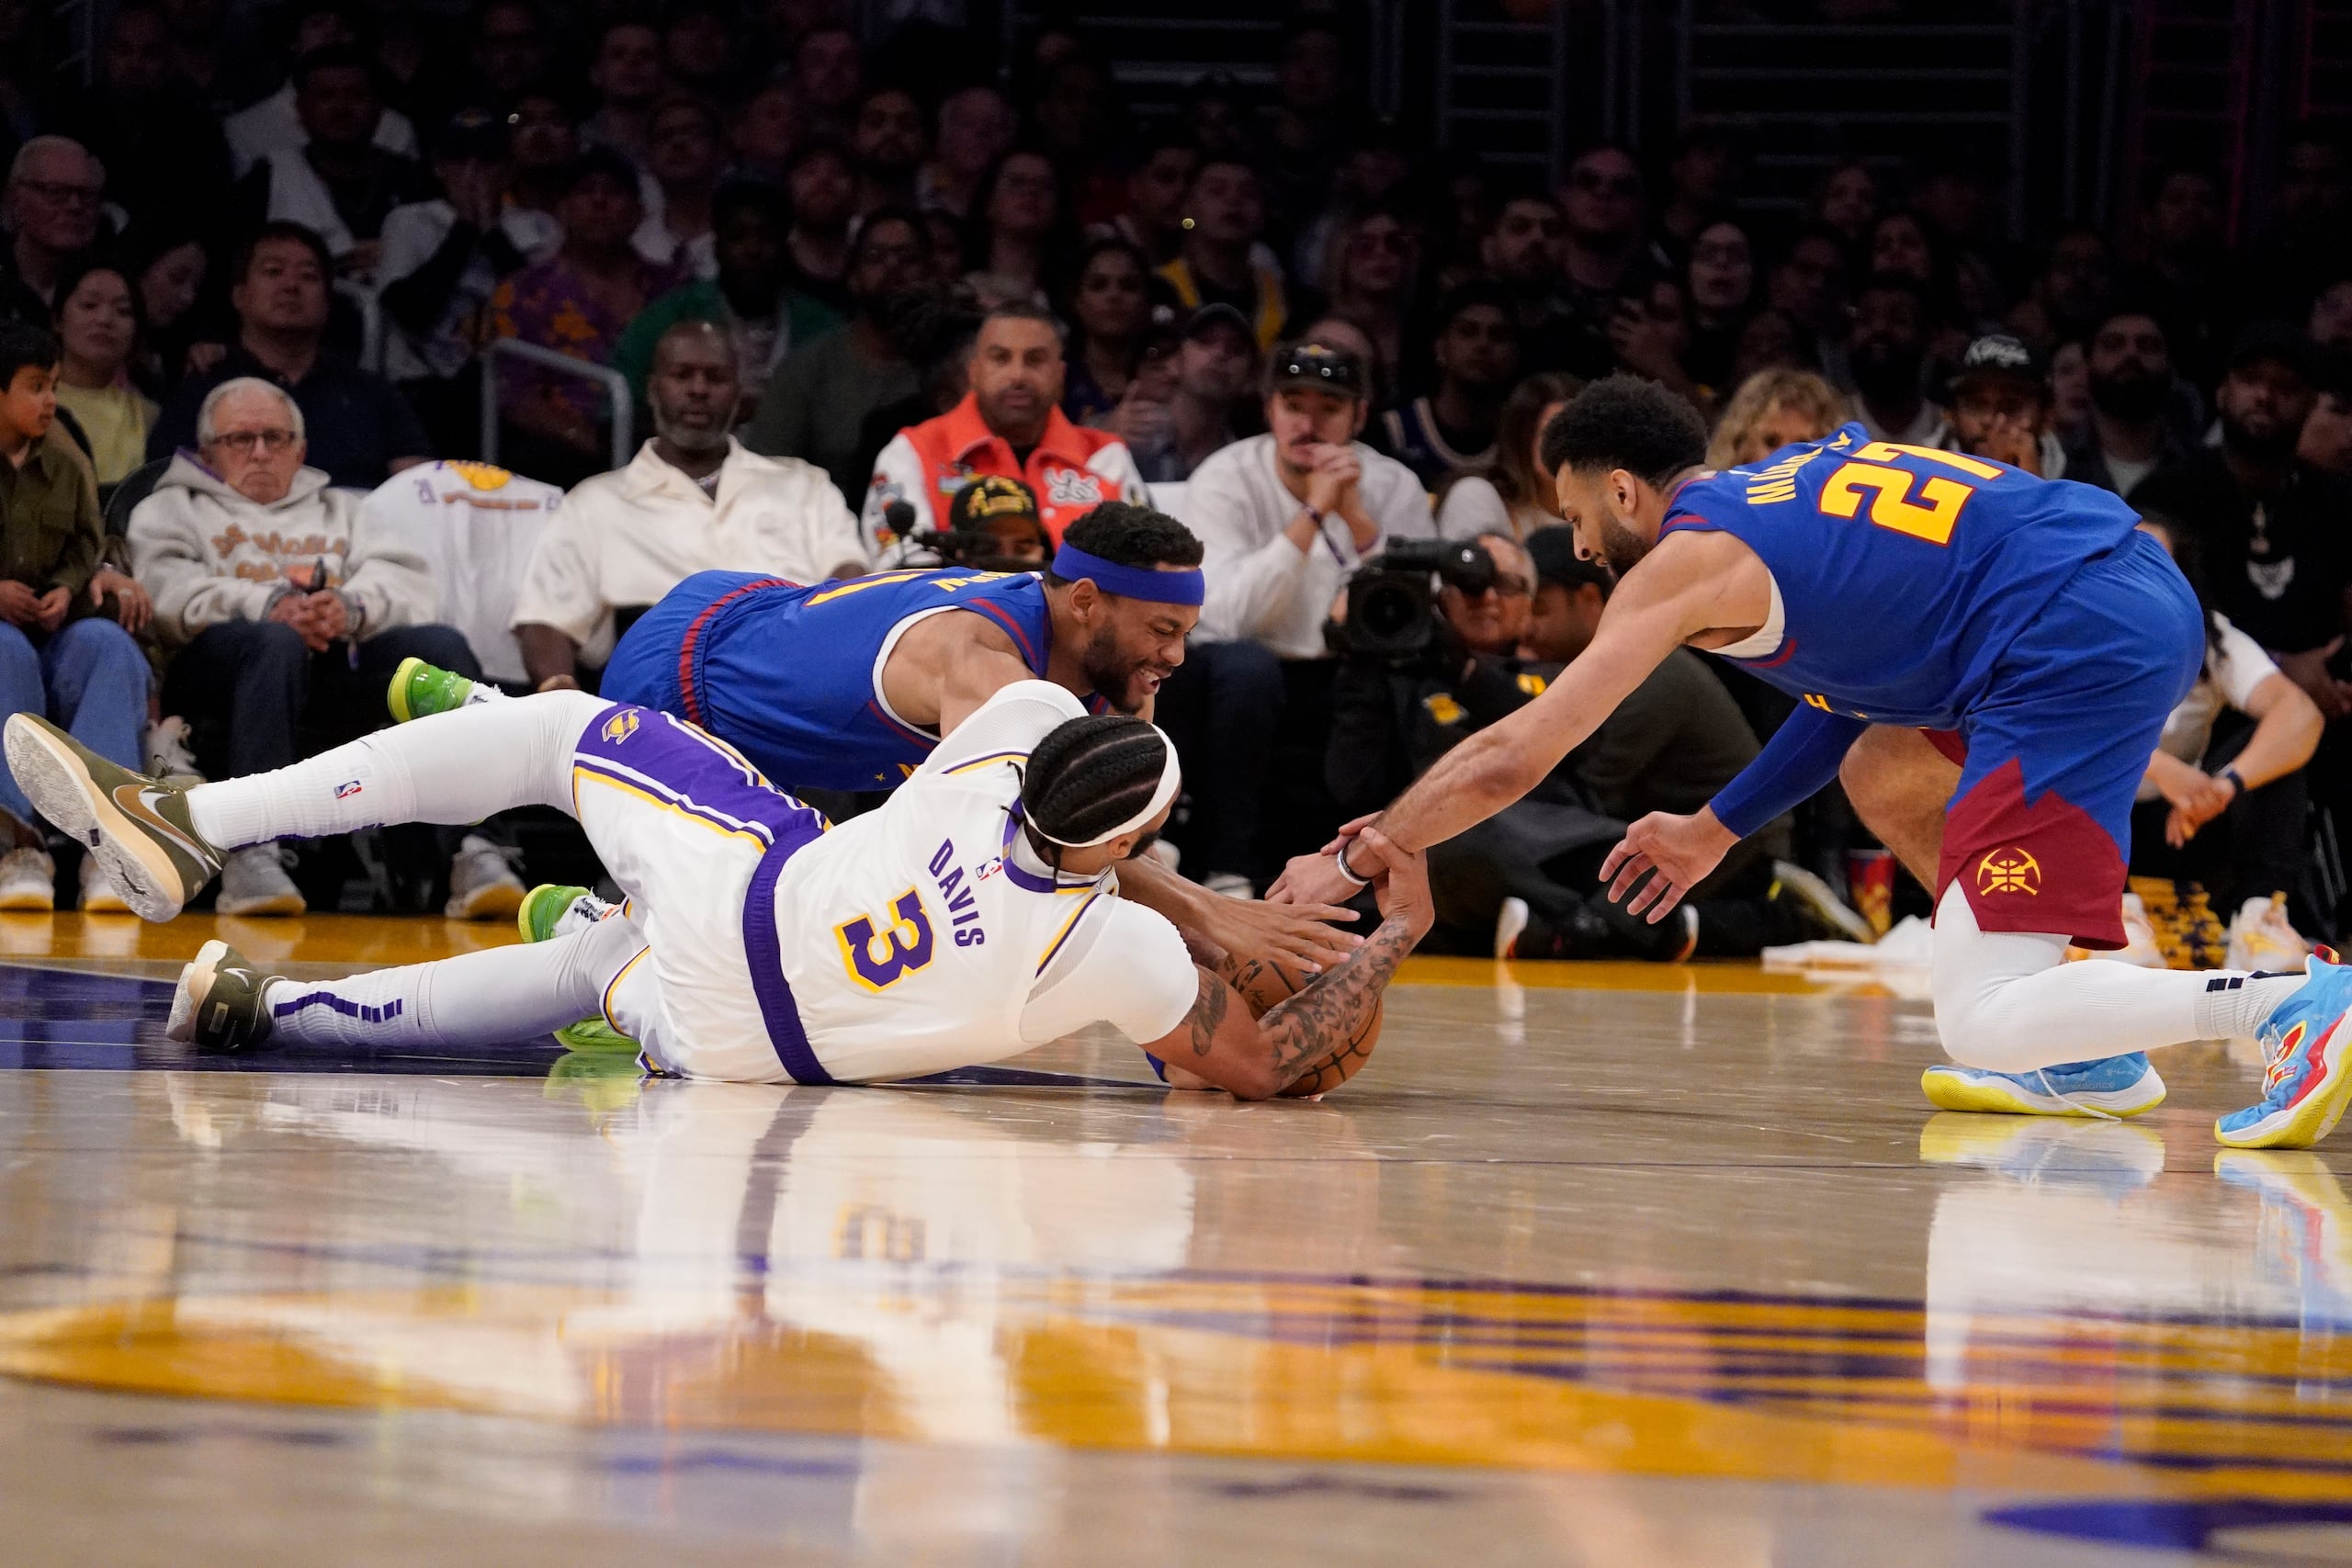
column 851, row 685
column 1989, row 658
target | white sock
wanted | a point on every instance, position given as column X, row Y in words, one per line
column 454, row 767
column 479, row 998
column 2007, row 1001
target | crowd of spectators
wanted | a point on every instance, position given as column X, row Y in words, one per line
column 254, row 266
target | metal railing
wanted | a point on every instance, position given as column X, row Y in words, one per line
column 615, row 384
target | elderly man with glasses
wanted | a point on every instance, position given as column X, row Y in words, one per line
column 53, row 198
column 286, row 612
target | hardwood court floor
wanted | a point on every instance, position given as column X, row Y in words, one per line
column 1597, row 1265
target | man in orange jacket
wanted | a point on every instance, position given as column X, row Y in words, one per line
column 1010, row 423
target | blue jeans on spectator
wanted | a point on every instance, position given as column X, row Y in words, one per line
column 90, row 677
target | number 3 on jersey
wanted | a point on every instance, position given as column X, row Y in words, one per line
column 879, row 958
column 1931, row 517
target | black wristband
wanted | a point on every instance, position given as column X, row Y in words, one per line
column 1348, row 871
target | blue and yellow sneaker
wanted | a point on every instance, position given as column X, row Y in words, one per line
column 2111, row 1086
column 419, row 689
column 2309, row 1080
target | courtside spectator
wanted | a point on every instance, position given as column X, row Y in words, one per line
column 1607, row 250
column 1886, row 352
column 1110, row 312
column 1010, row 423
column 1516, row 494
column 2269, row 529
column 816, row 405
column 1017, row 226
column 288, row 612
column 627, row 75
column 1221, row 261
column 1771, row 410
column 1214, row 371
column 753, row 296
column 823, row 188
column 1452, row 430
column 54, row 191
column 977, row 127
column 476, row 527
column 2000, row 408
column 2133, row 389
column 274, row 123
column 97, row 328
column 889, row 141
column 338, row 184
column 1154, row 218
column 693, row 500
column 1371, row 280
column 2228, row 811
column 64, row 651
column 683, row 156
column 577, row 301
column 1524, row 250
column 358, row 429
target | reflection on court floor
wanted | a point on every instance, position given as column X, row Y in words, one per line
column 1680, row 1275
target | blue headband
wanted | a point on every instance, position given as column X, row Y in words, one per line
column 1131, row 581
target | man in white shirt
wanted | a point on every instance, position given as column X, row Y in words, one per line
column 1286, row 517
column 693, row 500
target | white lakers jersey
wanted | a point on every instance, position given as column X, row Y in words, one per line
column 927, row 934
column 476, row 527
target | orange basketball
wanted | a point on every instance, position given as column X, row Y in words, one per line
column 1267, row 982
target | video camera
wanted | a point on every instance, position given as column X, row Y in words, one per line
column 1392, row 604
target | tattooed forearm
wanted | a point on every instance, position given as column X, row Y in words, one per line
column 1332, row 1011
column 1208, row 1013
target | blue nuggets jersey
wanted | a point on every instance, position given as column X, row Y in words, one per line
column 790, row 675
column 1904, row 574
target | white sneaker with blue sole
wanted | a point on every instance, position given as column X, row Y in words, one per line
column 2309, row 1079
column 2111, row 1086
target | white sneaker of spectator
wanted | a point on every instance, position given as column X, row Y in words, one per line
column 483, row 883
column 1229, row 885
column 169, row 755
column 2261, row 939
column 2139, row 946
column 27, row 880
column 99, row 894
column 254, row 882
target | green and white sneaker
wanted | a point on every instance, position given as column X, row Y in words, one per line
column 549, row 911
column 138, row 827
column 219, row 1004
column 420, row 689
column 542, row 915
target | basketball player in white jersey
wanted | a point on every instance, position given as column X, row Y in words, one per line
column 972, row 917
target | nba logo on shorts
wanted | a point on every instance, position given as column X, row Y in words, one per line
column 620, row 727
column 346, row 789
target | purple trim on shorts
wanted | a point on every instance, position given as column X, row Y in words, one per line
column 764, row 951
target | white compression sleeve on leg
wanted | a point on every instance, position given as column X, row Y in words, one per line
column 478, row 998
column 454, row 767
column 2007, row 1001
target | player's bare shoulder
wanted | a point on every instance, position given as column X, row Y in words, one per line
column 1719, row 585
column 924, row 657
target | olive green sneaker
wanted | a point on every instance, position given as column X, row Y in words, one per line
column 420, row 689
column 219, row 1004
column 138, row 827
column 546, row 910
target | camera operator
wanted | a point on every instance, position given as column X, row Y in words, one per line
column 1421, row 668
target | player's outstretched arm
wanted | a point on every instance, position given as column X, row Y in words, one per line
column 1258, row 1058
column 1298, row 935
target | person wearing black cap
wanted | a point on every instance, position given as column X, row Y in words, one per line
column 2000, row 408
column 2269, row 529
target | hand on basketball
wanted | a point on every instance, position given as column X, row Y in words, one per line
column 1294, row 931
column 1661, row 858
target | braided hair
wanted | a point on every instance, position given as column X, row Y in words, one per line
column 1088, row 776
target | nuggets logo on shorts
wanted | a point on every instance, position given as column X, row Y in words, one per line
column 620, row 727
column 2009, row 870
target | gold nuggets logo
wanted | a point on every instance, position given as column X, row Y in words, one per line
column 2009, row 870
column 481, row 476
column 620, row 727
